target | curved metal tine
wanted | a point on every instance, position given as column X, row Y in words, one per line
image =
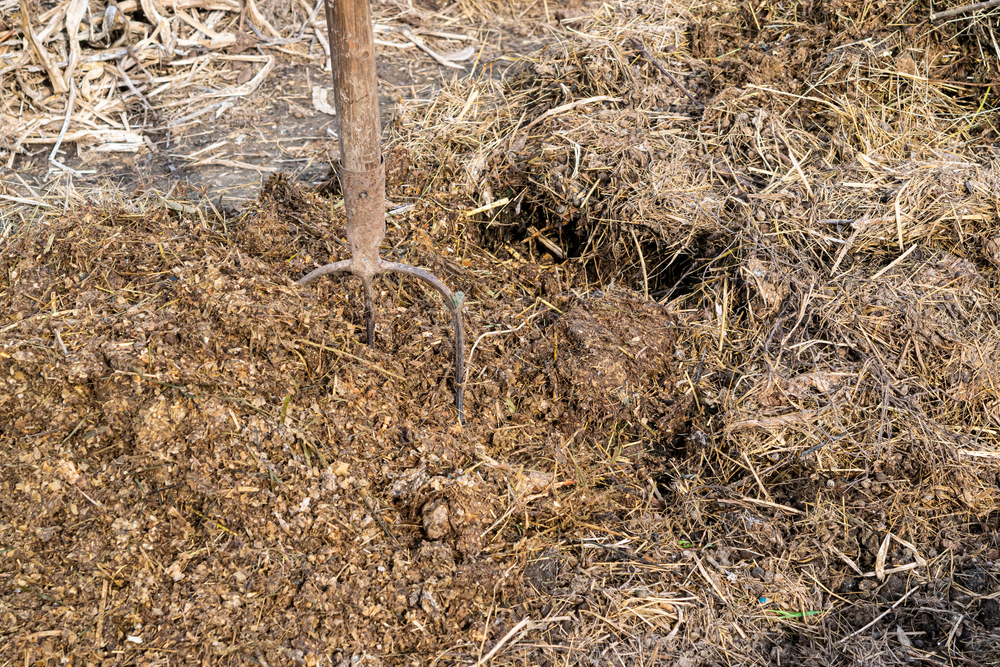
column 369, row 311
column 454, row 304
column 343, row 266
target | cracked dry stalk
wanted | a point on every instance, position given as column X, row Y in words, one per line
column 362, row 169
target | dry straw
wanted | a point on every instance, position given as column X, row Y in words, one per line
column 827, row 222
column 822, row 234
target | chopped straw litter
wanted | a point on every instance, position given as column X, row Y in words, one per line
column 732, row 275
column 106, row 79
column 79, row 71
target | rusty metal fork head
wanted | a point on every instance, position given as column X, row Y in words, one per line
column 364, row 201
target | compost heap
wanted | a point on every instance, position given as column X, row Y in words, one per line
column 791, row 459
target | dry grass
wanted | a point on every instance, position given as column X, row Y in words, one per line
column 116, row 80
column 828, row 224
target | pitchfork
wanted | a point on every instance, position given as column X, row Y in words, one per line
column 362, row 168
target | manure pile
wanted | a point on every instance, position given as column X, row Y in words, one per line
column 734, row 396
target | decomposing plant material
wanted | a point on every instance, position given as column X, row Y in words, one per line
column 827, row 221
column 791, row 458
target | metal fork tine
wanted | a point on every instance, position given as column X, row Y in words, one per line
column 369, row 312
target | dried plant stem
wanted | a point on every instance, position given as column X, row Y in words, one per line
column 880, row 616
column 506, row 638
column 673, row 79
column 74, row 15
column 958, row 11
column 894, row 262
column 341, row 353
column 420, row 44
column 55, row 74
column 569, row 106
column 65, row 125
column 258, row 19
column 642, row 261
column 495, row 333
